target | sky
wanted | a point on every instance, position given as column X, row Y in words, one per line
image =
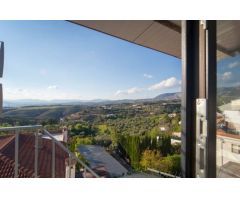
column 228, row 72
column 50, row 60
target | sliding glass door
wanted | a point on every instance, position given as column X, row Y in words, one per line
column 228, row 99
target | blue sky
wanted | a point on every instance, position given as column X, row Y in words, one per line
column 60, row 60
column 228, row 72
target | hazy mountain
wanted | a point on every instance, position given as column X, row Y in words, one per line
column 37, row 102
column 169, row 96
column 227, row 94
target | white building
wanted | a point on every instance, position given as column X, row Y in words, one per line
column 172, row 115
column 162, row 128
column 231, row 113
column 228, row 152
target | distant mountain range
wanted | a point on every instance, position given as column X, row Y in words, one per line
column 37, row 102
column 169, row 96
column 224, row 95
column 227, row 94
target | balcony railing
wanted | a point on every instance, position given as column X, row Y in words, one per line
column 162, row 174
column 37, row 129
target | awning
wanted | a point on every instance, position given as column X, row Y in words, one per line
column 165, row 36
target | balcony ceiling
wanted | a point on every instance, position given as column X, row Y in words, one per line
column 228, row 38
column 150, row 34
column 165, row 36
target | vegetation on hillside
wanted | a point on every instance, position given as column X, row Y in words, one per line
column 140, row 133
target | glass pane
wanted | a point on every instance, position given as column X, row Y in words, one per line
column 114, row 104
column 228, row 99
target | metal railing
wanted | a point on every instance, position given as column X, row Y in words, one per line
column 37, row 130
column 71, row 155
column 164, row 174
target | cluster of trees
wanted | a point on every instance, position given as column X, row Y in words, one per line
column 135, row 138
column 154, row 159
column 139, row 125
column 133, row 146
column 82, row 128
column 75, row 141
column 143, row 125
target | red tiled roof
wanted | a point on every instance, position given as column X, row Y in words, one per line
column 5, row 140
column 224, row 134
column 27, row 155
column 7, row 169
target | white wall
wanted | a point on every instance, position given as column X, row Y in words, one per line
column 224, row 150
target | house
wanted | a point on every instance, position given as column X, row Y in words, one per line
column 162, row 128
column 172, row 115
column 27, row 157
column 177, row 134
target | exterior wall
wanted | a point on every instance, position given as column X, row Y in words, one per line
column 233, row 119
column 224, row 150
column 235, row 102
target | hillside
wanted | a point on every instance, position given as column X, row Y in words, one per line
column 38, row 113
column 226, row 94
column 169, row 96
column 37, row 102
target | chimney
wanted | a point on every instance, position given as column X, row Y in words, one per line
column 65, row 134
column 70, row 168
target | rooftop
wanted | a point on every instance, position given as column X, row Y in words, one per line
column 232, row 106
column 99, row 158
column 228, row 135
column 26, row 157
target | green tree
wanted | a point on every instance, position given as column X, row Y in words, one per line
column 170, row 164
column 150, row 159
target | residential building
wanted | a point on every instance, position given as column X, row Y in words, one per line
column 228, row 154
column 231, row 115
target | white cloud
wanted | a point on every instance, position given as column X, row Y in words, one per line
column 226, row 75
column 149, row 76
column 129, row 91
column 234, row 64
column 134, row 90
column 52, row 87
column 166, row 84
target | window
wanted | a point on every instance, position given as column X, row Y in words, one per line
column 236, row 148
column 228, row 99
